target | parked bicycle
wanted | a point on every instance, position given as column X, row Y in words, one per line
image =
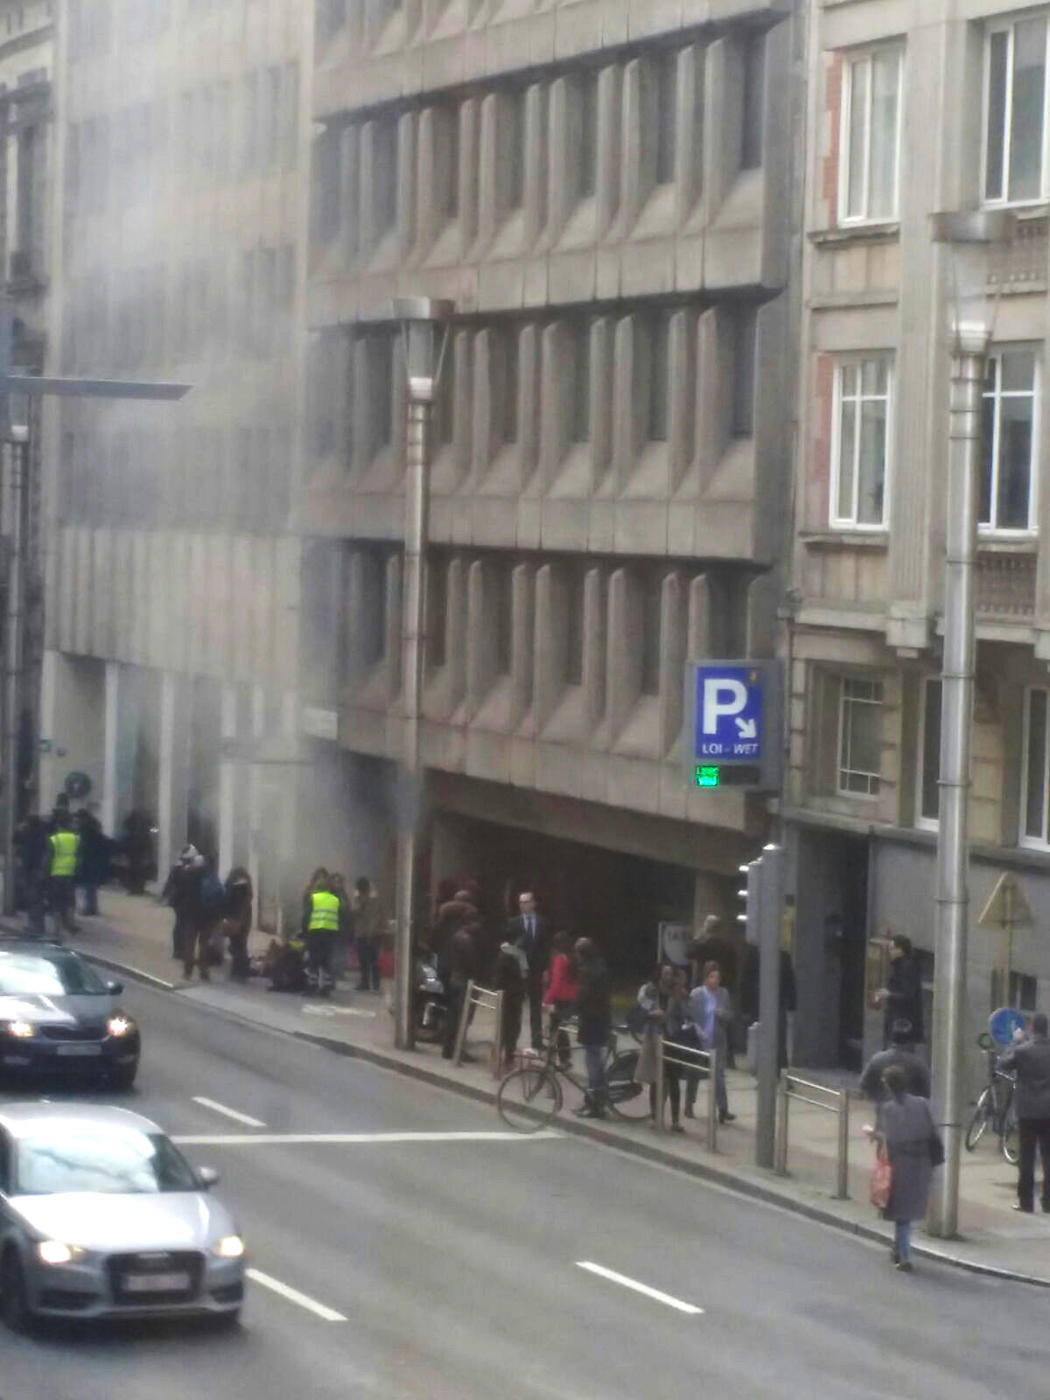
column 995, row 1106
column 530, row 1097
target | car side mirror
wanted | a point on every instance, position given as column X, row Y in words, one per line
column 208, row 1177
column 114, row 988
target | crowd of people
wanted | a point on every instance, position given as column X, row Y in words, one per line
column 59, row 856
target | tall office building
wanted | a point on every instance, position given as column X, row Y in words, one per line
column 605, row 189
column 173, row 576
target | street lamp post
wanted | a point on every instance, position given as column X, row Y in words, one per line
column 424, row 332
column 969, row 236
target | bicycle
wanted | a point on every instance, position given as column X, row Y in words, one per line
column 995, row 1107
column 529, row 1098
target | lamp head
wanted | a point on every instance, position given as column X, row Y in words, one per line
column 977, row 241
column 424, row 328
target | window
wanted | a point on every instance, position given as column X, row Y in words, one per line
column 502, row 577
column 448, row 189
column 1008, row 441
column 754, row 103
column 581, row 383
column 437, row 611
column 1034, row 806
column 587, row 153
column 659, row 412
column 514, row 149
column 859, row 451
column 928, row 800
column 860, row 740
column 744, row 373
column 666, row 120
column 509, row 386
column 1015, row 111
column 575, row 602
column 869, row 141
column 384, row 174
column 373, row 620
column 652, row 617
column 381, row 379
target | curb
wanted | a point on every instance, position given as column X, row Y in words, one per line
column 702, row 1171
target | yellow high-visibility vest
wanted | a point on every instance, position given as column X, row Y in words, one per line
column 65, row 847
column 324, row 911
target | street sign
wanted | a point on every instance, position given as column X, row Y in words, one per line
column 734, row 708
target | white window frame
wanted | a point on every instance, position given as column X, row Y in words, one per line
column 1008, row 26
column 923, row 822
column 991, row 530
column 1035, row 843
column 851, row 522
column 850, row 60
column 873, row 793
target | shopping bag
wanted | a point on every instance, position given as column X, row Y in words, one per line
column 881, row 1181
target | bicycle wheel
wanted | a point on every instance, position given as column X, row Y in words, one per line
column 982, row 1116
column 529, row 1098
column 1010, row 1141
column 627, row 1099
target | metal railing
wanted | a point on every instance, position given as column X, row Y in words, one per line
column 489, row 1001
column 691, row 1061
column 791, row 1086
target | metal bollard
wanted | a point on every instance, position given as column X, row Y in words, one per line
column 464, row 1017
column 780, row 1162
column 659, row 1079
column 497, row 1047
column 712, row 1101
column 842, row 1194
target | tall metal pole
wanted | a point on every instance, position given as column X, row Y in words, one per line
column 770, row 885
column 15, row 454
column 957, row 681
column 417, row 498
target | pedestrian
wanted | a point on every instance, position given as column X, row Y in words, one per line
column 561, row 993
column 905, row 1131
column 321, row 929
column 711, row 1012
column 712, row 945
column 1030, row 1057
column 182, row 891
column 594, row 1023
column 94, row 859
column 529, row 932
column 509, row 977
column 237, row 921
column 901, row 998
column 787, row 1001
column 345, row 935
column 460, row 960
column 207, row 948
column 137, row 851
column 663, row 1001
column 451, row 914
column 32, row 843
column 901, row 1053
column 62, row 872
column 369, row 923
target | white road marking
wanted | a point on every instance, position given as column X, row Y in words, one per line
column 137, row 972
column 338, row 1011
column 309, row 1139
column 233, row 1113
column 637, row 1287
column 294, row 1296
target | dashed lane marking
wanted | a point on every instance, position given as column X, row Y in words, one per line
column 294, row 1296
column 234, row 1113
column 350, row 1139
column 637, row 1287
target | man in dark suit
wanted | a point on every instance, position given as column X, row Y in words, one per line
column 529, row 932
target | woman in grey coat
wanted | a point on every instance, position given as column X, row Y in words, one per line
column 905, row 1129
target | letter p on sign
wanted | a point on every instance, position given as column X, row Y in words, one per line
column 722, row 697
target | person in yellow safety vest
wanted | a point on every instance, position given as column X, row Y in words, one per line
column 322, row 928
column 62, row 874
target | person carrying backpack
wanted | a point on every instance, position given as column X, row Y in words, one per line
column 202, row 941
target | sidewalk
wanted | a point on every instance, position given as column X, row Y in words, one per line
column 134, row 937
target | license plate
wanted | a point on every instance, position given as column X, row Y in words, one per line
column 72, row 1048
column 156, row 1283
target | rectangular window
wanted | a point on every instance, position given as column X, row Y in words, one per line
column 448, row 191
column 502, row 576
column 575, row 595
column 373, row 623
column 860, row 443
column 860, row 738
column 1015, row 111
column 744, row 373
column 870, row 136
column 1036, row 772
column 381, row 375
column 1008, row 442
column 754, row 103
column 384, row 174
column 581, row 382
column 659, row 412
column 509, row 385
column 587, row 153
column 514, row 149
column 652, row 617
column 929, row 796
column 437, row 610
column 666, row 118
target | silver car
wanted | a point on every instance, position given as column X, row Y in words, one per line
column 102, row 1216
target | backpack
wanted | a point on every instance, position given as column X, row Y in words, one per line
column 213, row 894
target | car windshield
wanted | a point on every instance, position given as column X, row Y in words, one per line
column 114, row 1161
column 27, row 974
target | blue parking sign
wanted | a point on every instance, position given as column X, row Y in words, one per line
column 729, row 712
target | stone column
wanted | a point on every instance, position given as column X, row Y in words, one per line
column 173, row 765
column 110, row 765
column 227, row 779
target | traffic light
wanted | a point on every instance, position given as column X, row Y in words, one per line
column 750, row 894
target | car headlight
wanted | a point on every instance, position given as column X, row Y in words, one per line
column 229, row 1247
column 55, row 1252
column 21, row 1030
column 119, row 1025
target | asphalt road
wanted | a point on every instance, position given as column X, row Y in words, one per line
column 450, row 1269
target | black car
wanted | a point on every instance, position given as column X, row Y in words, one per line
column 58, row 1017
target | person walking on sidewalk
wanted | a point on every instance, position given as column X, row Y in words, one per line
column 905, row 1130
column 1030, row 1057
column 322, row 929
column 368, row 930
column 94, row 859
column 872, row 1084
column 237, row 922
column 663, row 1000
column 62, row 873
column 509, row 978
column 458, row 963
column 711, row 1012
column 594, row 1021
column 562, row 991
column 901, row 998
column 529, row 933
column 204, row 947
column 182, row 890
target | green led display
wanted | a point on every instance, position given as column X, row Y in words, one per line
column 708, row 777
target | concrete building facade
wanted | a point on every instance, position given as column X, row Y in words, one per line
column 173, row 575
column 606, row 192
column 910, row 113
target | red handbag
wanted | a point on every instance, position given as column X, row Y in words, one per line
column 881, row 1180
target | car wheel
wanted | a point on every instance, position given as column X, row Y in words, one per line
column 227, row 1321
column 123, row 1078
column 14, row 1297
